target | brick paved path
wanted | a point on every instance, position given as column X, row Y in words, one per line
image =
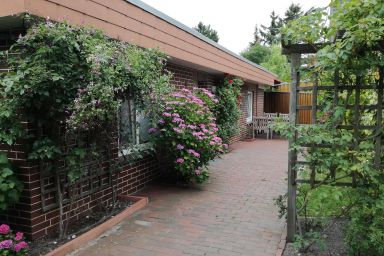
column 233, row 214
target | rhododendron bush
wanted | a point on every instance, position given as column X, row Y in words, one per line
column 10, row 243
column 188, row 133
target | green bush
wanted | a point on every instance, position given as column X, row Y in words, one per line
column 10, row 186
column 227, row 110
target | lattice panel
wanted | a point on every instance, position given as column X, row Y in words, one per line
column 362, row 117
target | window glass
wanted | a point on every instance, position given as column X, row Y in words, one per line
column 249, row 106
column 133, row 125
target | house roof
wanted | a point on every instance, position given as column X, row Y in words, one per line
column 136, row 22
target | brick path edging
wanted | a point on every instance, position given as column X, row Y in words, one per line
column 283, row 242
column 76, row 243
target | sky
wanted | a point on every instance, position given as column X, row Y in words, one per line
column 233, row 20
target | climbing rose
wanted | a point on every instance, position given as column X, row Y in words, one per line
column 4, row 229
column 230, row 81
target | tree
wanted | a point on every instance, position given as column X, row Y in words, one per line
column 207, row 31
column 277, row 63
column 256, row 53
column 293, row 12
column 271, row 34
column 256, row 36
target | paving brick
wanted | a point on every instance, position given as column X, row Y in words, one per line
column 233, row 214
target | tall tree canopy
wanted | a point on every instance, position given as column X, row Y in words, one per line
column 256, row 53
column 207, row 31
column 271, row 34
column 293, row 12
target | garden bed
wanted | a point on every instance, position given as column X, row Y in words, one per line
column 89, row 227
column 332, row 241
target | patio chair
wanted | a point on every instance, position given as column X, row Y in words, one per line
column 284, row 117
column 261, row 124
column 271, row 116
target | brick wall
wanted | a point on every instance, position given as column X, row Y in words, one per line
column 258, row 108
column 259, row 102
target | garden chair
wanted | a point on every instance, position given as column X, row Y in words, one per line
column 284, row 117
column 261, row 124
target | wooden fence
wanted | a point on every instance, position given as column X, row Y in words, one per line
column 278, row 102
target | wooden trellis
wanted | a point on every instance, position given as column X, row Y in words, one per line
column 357, row 108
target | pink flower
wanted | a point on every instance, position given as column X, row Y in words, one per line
column 179, row 147
column 19, row 236
column 6, row 244
column 193, row 152
column 161, row 121
column 152, row 130
column 180, row 160
column 177, row 120
column 4, row 229
column 167, row 114
column 20, row 246
column 212, row 143
column 177, row 130
column 197, row 172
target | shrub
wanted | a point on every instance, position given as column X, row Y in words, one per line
column 10, row 186
column 188, row 133
column 11, row 243
column 227, row 109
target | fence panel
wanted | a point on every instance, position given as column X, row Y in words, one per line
column 278, row 102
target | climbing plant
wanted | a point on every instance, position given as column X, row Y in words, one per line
column 68, row 82
column 227, row 109
column 344, row 146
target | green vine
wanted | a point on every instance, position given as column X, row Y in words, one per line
column 351, row 53
column 68, row 82
column 10, row 186
column 227, row 110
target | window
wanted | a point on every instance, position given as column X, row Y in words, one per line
column 249, row 103
column 133, row 126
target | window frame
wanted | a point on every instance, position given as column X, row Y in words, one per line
column 249, row 107
column 124, row 148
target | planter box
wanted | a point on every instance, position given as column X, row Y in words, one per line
column 139, row 203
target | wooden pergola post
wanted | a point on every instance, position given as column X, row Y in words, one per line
column 292, row 155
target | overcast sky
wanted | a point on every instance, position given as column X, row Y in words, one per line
column 234, row 20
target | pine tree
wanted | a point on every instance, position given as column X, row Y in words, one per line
column 207, row 31
column 293, row 12
column 271, row 34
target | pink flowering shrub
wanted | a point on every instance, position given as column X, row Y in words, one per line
column 12, row 244
column 188, row 132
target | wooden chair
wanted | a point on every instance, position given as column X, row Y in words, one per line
column 270, row 115
column 284, row 117
column 261, row 124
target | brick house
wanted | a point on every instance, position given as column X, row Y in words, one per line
column 194, row 60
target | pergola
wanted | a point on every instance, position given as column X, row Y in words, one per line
column 296, row 51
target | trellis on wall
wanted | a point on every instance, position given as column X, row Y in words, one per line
column 346, row 93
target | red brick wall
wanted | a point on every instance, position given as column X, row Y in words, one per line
column 258, row 107
column 260, row 102
column 184, row 77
